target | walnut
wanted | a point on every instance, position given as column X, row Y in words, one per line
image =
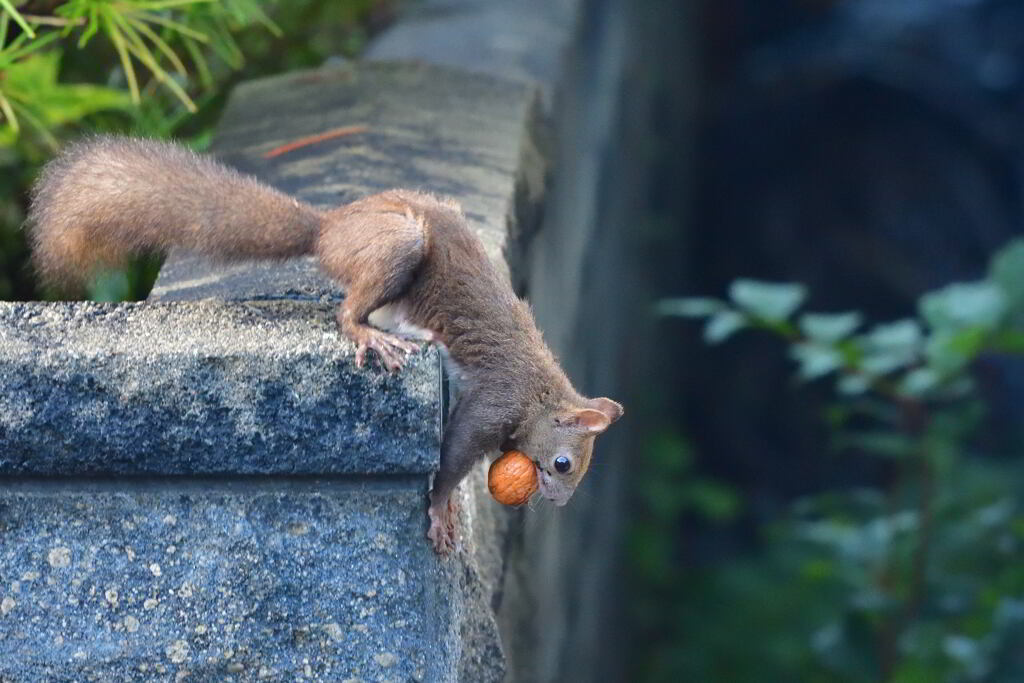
column 512, row 478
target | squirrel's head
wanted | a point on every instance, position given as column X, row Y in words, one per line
column 560, row 442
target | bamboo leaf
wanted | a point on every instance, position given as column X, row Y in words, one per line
column 7, row 7
column 122, row 52
column 226, row 47
column 146, row 57
column 161, row 75
column 202, row 66
column 248, row 10
column 176, row 26
column 91, row 28
column 160, row 44
column 8, row 110
column 18, row 53
column 165, row 4
column 39, row 125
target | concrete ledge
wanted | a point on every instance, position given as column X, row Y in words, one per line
column 205, row 388
column 213, row 580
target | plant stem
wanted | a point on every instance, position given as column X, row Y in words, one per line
column 915, row 422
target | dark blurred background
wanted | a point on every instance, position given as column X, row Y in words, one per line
column 870, row 149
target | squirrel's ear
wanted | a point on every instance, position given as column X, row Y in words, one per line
column 611, row 409
column 588, row 420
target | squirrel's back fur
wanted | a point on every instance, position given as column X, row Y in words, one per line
column 105, row 199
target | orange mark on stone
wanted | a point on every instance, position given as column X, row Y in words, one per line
column 314, row 139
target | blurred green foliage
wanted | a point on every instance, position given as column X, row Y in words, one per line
column 156, row 68
column 918, row 580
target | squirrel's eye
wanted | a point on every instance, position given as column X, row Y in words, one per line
column 562, row 464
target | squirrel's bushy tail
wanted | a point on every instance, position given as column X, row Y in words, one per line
column 105, row 199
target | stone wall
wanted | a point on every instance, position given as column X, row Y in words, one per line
column 204, row 487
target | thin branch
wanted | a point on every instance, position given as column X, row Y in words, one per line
column 915, row 423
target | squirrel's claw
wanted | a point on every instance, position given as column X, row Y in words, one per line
column 442, row 527
column 391, row 350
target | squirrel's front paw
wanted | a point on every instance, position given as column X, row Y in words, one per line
column 391, row 349
column 442, row 526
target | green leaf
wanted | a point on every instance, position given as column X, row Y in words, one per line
column 829, row 327
column 891, row 346
column 963, row 649
column 712, row 500
column 881, row 443
column 689, row 307
column 920, row 381
column 816, row 360
column 882, row 363
column 8, row 111
column 69, row 103
column 1007, row 341
column 164, row 4
column 901, row 335
column 6, row 6
column 959, row 387
column 1007, row 270
column 33, row 82
column 669, row 453
column 950, row 351
column 21, row 47
column 853, row 385
column 723, row 325
column 965, row 304
column 768, row 300
column 664, row 497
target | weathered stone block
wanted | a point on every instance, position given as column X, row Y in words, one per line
column 204, row 388
column 293, row 579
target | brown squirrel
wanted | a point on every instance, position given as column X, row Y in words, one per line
column 407, row 257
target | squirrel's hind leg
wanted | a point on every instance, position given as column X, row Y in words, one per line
column 471, row 434
column 375, row 256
